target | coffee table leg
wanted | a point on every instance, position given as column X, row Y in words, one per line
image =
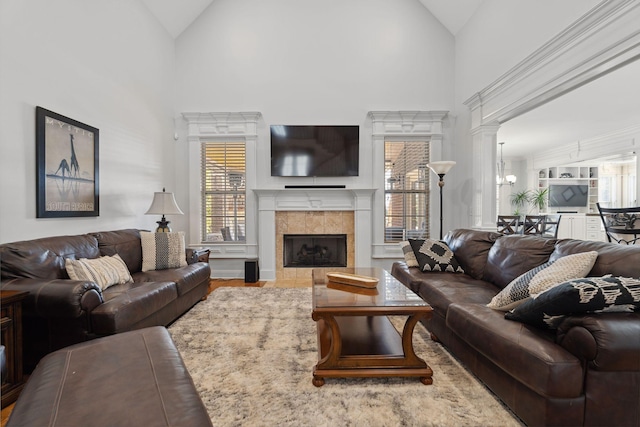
column 407, row 347
column 318, row 381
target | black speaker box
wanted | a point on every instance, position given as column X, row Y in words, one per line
column 251, row 271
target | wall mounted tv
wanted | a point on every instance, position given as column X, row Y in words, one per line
column 314, row 150
column 561, row 195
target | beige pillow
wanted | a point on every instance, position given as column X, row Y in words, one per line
column 543, row 277
column 104, row 271
column 409, row 256
column 162, row 250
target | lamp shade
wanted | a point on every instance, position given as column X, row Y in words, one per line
column 164, row 204
column 442, row 167
column 511, row 179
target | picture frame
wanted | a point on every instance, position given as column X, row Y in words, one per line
column 67, row 167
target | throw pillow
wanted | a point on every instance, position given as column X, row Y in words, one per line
column 409, row 256
column 162, row 250
column 542, row 278
column 104, row 271
column 590, row 295
column 435, row 255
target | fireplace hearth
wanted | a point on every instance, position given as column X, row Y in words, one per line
column 314, row 250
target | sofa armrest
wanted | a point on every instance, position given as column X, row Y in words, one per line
column 58, row 298
column 607, row 342
column 197, row 255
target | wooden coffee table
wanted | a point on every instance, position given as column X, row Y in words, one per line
column 355, row 336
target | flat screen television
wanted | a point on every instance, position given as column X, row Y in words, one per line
column 314, row 151
column 561, row 195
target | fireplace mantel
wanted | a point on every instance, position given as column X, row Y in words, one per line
column 358, row 200
column 315, row 199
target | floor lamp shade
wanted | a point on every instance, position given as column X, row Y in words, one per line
column 163, row 204
column 441, row 168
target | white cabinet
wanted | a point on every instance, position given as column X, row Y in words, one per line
column 595, row 229
column 572, row 227
column 573, row 175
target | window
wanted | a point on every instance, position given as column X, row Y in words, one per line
column 406, row 190
column 223, row 191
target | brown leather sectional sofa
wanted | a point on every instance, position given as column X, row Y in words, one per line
column 585, row 373
column 59, row 311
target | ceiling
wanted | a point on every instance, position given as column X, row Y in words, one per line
column 598, row 108
column 176, row 16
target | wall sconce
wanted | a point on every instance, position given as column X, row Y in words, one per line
column 511, row 179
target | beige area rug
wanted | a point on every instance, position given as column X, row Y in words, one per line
column 251, row 353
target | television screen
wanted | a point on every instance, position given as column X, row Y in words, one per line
column 314, row 150
column 561, row 195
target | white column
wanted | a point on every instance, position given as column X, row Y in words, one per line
column 484, row 138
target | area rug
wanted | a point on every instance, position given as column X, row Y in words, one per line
column 251, row 353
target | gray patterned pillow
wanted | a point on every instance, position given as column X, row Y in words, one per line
column 162, row 250
column 543, row 277
column 435, row 255
column 591, row 295
column 104, row 271
column 409, row 256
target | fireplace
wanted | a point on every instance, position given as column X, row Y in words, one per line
column 314, row 250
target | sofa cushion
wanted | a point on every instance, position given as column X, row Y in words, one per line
column 528, row 354
column 162, row 250
column 125, row 243
column 472, row 249
column 44, row 258
column 409, row 256
column 186, row 278
column 589, row 295
column 127, row 305
column 511, row 256
column 542, row 278
column 435, row 255
column 442, row 289
column 618, row 260
column 104, row 271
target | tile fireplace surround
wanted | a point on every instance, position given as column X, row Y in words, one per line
column 312, row 211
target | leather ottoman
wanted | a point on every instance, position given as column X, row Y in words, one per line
column 133, row 378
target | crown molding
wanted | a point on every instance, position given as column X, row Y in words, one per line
column 602, row 40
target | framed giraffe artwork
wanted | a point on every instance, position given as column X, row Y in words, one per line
column 66, row 167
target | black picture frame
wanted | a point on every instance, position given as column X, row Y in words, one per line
column 67, row 167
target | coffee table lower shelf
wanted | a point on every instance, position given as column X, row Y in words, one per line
column 366, row 346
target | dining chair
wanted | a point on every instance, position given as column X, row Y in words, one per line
column 551, row 225
column 622, row 225
column 508, row 224
column 534, row 225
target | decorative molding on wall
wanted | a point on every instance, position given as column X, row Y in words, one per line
column 407, row 123
column 619, row 142
column 581, row 53
column 202, row 125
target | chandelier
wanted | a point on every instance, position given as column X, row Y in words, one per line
column 500, row 178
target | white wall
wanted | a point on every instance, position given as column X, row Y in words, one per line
column 309, row 62
column 500, row 35
column 108, row 64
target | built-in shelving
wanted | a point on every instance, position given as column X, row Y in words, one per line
column 572, row 175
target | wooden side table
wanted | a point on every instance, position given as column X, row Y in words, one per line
column 11, row 339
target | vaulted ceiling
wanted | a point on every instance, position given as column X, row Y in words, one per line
column 597, row 108
column 176, row 16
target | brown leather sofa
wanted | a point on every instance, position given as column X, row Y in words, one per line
column 585, row 373
column 59, row 311
column 147, row 384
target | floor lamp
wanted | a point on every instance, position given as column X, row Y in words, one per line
column 440, row 169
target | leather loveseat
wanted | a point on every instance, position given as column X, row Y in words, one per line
column 585, row 372
column 59, row 311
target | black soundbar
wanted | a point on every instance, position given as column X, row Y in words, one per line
column 315, row 186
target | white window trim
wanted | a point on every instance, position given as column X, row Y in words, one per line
column 402, row 126
column 222, row 127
